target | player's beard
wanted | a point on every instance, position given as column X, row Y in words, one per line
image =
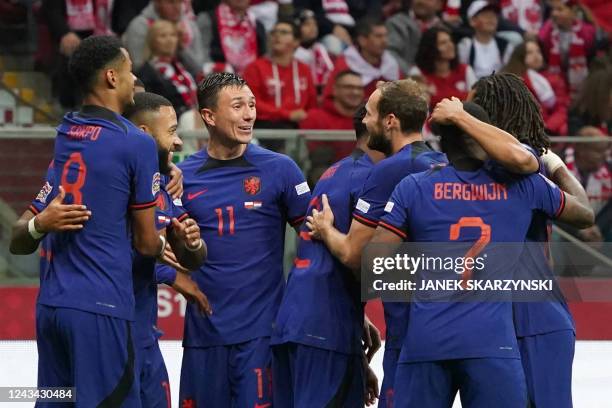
column 164, row 160
column 377, row 141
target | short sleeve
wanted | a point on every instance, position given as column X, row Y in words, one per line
column 295, row 193
column 44, row 195
column 165, row 274
column 146, row 180
column 374, row 196
column 396, row 211
column 546, row 195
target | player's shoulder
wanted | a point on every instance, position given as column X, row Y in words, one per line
column 193, row 161
column 264, row 158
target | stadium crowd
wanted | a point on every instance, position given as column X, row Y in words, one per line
column 309, row 62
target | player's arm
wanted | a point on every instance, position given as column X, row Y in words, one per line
column 577, row 211
column 345, row 247
column 499, row 145
column 189, row 248
column 30, row 228
column 146, row 239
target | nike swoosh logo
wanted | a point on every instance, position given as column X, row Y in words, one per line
column 191, row 196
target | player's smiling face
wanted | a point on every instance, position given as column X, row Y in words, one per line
column 235, row 114
column 163, row 130
column 376, row 140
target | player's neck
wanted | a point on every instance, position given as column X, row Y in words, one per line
column 105, row 102
column 463, row 162
column 224, row 151
column 401, row 139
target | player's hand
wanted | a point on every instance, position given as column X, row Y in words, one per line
column 68, row 43
column 371, row 391
column 297, row 115
column 187, row 231
column 175, row 186
column 447, row 110
column 169, row 258
column 187, row 287
column 593, row 235
column 320, row 221
column 61, row 217
column 371, row 338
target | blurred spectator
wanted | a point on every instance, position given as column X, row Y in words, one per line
column 404, row 36
column 336, row 19
column 425, row 13
column 527, row 14
column 336, row 113
column 437, row 61
column 232, row 37
column 569, row 43
column 124, row 11
column 601, row 12
column 593, row 106
column 282, row 85
column 486, row 51
column 587, row 161
column 311, row 52
column 368, row 57
column 549, row 89
column 163, row 73
column 69, row 22
column 190, row 49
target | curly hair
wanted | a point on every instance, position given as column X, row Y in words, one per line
column 93, row 54
column 428, row 52
column 513, row 108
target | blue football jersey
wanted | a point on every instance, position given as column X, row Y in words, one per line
column 106, row 163
column 531, row 318
column 413, row 158
column 321, row 306
column 444, row 205
column 242, row 207
column 146, row 275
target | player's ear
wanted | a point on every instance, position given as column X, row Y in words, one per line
column 145, row 129
column 208, row 116
column 110, row 75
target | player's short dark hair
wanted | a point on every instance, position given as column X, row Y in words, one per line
column 209, row 88
column 93, row 54
column 453, row 138
column 406, row 100
column 360, row 129
column 344, row 73
column 366, row 25
column 145, row 102
column 295, row 28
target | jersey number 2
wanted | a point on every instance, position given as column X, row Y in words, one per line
column 485, row 238
column 74, row 188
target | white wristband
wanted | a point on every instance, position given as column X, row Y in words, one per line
column 32, row 230
column 552, row 162
column 163, row 248
column 200, row 244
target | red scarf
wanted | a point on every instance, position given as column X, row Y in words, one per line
column 182, row 80
column 238, row 37
column 577, row 69
column 89, row 15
